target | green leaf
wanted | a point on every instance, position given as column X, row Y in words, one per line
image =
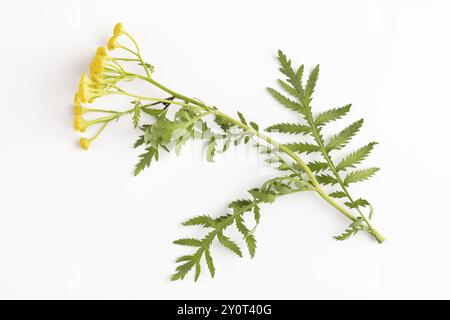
column 288, row 88
column 184, row 258
column 202, row 220
column 317, row 166
column 302, row 147
column 331, row 115
column 155, row 113
column 294, row 78
column 256, row 213
column 239, row 204
column 356, row 157
column 136, row 114
column 223, row 123
column 288, row 103
column 227, row 243
column 241, row 226
column 261, row 195
column 311, row 83
column 140, row 141
column 254, row 125
column 357, row 203
column 347, row 234
column 191, row 242
column 340, row 140
column 182, row 270
column 146, row 159
column 359, row 175
column 197, row 270
column 290, row 128
column 241, row 117
column 251, row 244
column 326, row 179
column 209, row 263
column 211, row 149
column 338, row 194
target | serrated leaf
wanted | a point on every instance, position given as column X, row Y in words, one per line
column 346, row 234
column 256, row 213
column 239, row 204
column 191, row 242
column 288, row 88
column 326, row 179
column 311, row 83
column 197, row 270
column 202, row 220
column 184, row 258
column 288, row 103
column 140, row 141
column 331, row 115
column 146, row 159
column 338, row 194
column 136, row 115
column 241, row 226
column 340, row 140
column 359, row 175
column 357, row 203
column 317, row 166
column 286, row 68
column 290, row 128
column 356, row 157
column 209, row 263
column 182, row 270
column 261, row 195
column 302, row 147
column 155, row 113
column 251, row 244
column 227, row 243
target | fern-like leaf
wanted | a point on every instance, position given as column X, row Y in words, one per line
column 359, row 175
column 288, row 103
column 146, row 159
column 191, row 242
column 331, row 115
column 290, row 128
column 356, row 157
column 317, row 166
column 229, row 244
column 209, row 263
column 340, row 140
column 303, row 147
column 202, row 220
column 311, row 83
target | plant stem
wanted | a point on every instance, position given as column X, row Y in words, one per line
column 276, row 144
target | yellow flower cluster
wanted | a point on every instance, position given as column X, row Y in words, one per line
column 117, row 32
column 90, row 88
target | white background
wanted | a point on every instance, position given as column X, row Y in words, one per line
column 77, row 224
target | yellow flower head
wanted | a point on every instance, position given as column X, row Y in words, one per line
column 118, row 29
column 82, row 93
column 84, row 143
column 97, row 65
column 96, row 81
column 80, row 124
column 101, row 51
column 112, row 43
column 79, row 110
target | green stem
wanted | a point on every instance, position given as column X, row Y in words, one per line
column 281, row 147
column 262, row 136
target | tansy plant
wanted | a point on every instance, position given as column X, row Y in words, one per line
column 328, row 177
